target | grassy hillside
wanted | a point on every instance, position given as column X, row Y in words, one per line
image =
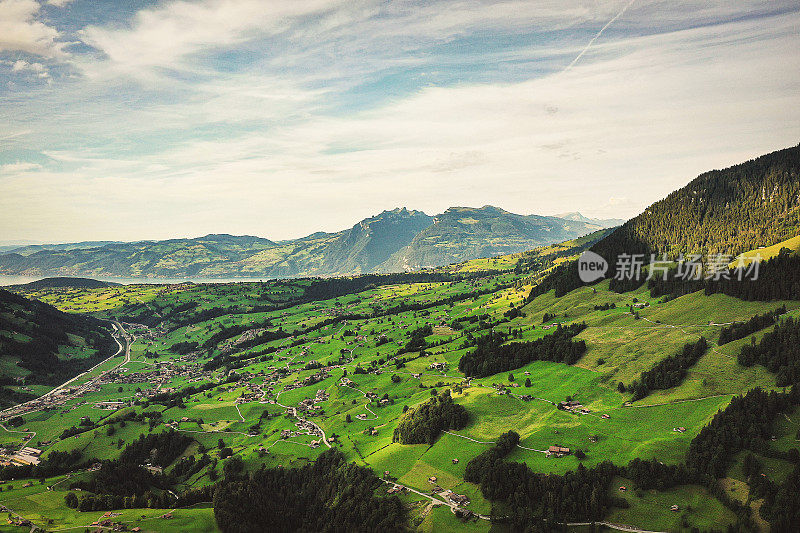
column 365, row 333
column 40, row 345
column 273, row 374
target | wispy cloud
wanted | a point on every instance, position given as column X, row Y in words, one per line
column 284, row 118
column 18, row 167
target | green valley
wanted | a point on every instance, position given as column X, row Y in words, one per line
column 470, row 396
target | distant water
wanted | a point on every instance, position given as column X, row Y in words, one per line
column 18, row 280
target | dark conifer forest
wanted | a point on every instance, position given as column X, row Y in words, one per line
column 492, row 356
column 327, row 495
column 669, row 372
column 729, row 211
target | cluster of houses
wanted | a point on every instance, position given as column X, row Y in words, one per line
column 311, row 405
column 110, row 405
column 573, row 406
column 308, row 380
column 449, row 495
column 163, row 373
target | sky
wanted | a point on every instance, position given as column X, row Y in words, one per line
column 159, row 119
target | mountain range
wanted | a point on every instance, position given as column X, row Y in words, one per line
column 392, row 241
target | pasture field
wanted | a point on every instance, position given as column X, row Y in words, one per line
column 262, row 370
column 696, row 508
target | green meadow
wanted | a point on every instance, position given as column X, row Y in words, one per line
column 363, row 336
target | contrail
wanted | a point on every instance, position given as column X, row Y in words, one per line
column 609, row 23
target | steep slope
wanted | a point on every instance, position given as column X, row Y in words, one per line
column 730, row 211
column 756, row 203
column 355, row 250
column 373, row 240
column 462, row 233
column 40, row 344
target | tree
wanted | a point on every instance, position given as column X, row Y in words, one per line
column 348, row 418
column 71, row 500
column 511, row 377
column 528, row 382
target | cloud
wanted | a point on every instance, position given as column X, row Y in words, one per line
column 21, row 32
column 59, row 3
column 291, row 119
column 18, row 167
column 164, row 37
column 20, row 65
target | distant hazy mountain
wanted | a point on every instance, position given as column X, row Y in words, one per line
column 28, row 249
column 462, row 233
column 390, row 241
column 577, row 217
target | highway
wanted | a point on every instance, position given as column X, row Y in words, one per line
column 38, row 403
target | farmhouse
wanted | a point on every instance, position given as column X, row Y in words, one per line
column 571, row 405
column 557, row 451
column 458, row 499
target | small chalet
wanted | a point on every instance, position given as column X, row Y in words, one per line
column 557, row 451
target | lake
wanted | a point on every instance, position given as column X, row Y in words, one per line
column 6, row 280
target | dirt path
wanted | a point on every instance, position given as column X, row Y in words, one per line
column 675, row 402
column 491, row 442
column 366, row 406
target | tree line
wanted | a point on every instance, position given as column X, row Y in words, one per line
column 722, row 211
column 740, row 330
column 778, row 351
column 668, row 372
column 491, row 356
column 423, row 423
column 539, row 502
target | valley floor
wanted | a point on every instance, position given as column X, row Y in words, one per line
column 341, row 372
